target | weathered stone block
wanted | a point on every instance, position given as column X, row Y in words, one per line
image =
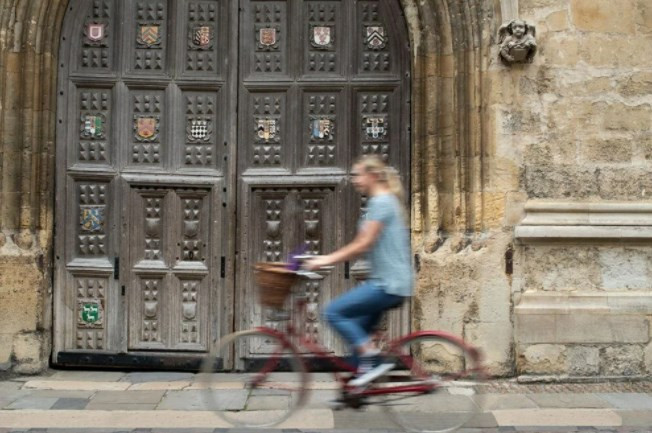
column 610, row 150
column 560, row 50
column 557, row 21
column 622, row 360
column 560, row 181
column 615, row 51
column 644, row 16
column 582, row 360
column 629, row 118
column 19, row 309
column 543, row 359
column 581, row 328
column 647, row 358
column 6, row 349
column 561, row 268
column 27, row 347
column 514, row 208
column 626, row 268
column 495, row 341
column 639, row 83
column 28, row 351
column 625, row 183
column 605, row 16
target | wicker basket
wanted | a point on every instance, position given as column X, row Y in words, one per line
column 274, row 282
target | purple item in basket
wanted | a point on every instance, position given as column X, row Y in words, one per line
column 293, row 263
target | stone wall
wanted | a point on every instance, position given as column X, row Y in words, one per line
column 580, row 128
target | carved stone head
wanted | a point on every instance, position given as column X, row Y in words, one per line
column 518, row 44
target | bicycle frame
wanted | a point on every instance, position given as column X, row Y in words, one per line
column 321, row 352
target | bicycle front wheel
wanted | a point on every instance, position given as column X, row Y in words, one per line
column 441, row 377
column 269, row 383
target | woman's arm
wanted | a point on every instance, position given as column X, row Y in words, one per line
column 362, row 242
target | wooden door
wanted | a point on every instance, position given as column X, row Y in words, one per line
column 197, row 137
column 144, row 215
column 320, row 83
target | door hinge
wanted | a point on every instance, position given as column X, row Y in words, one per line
column 223, row 267
column 116, row 268
column 347, row 270
column 417, row 263
column 123, row 290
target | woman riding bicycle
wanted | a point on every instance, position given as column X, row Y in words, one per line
column 384, row 237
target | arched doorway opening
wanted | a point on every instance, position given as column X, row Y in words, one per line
column 198, row 137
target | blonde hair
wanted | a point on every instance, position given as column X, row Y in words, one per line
column 386, row 174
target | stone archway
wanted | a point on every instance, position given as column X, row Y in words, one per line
column 451, row 48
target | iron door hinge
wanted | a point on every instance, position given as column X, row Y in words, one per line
column 116, row 268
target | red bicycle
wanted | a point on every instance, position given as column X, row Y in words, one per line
column 434, row 387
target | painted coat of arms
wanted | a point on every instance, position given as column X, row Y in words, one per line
column 90, row 313
column 146, row 128
column 202, row 36
column 267, row 128
column 149, row 35
column 375, row 37
column 267, row 36
column 199, row 130
column 322, row 37
column 92, row 126
column 92, row 219
column 322, row 128
column 95, row 32
column 375, row 127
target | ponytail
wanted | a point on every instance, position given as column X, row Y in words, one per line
column 386, row 174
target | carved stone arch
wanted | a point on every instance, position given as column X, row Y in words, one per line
column 451, row 43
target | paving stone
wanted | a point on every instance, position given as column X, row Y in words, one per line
column 631, row 401
column 568, row 401
column 141, row 377
column 482, row 420
column 119, row 406
column 320, row 398
column 86, row 375
column 557, row 417
column 63, row 394
column 503, row 401
column 6, row 398
column 165, row 386
column 76, row 385
column 138, row 397
column 197, row 400
column 70, row 403
column 10, row 386
column 267, row 402
column 30, row 402
column 348, row 419
column 636, row 418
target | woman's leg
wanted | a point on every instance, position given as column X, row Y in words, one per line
column 355, row 313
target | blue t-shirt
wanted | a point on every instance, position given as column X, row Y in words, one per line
column 389, row 257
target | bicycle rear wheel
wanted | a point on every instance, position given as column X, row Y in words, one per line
column 446, row 375
column 270, row 383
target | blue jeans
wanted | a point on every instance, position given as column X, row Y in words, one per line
column 355, row 314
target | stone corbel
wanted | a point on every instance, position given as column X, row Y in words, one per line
column 517, row 41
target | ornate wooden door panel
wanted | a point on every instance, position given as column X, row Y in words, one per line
column 321, row 82
column 146, row 104
column 168, row 273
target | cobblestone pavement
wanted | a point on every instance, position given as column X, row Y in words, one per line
column 115, row 402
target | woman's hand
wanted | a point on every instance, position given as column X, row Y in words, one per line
column 317, row 262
